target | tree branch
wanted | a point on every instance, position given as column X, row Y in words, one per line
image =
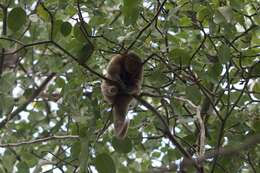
column 68, row 137
column 166, row 130
column 25, row 104
column 147, row 26
column 4, row 32
column 224, row 151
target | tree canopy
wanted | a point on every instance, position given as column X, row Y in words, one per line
column 198, row 110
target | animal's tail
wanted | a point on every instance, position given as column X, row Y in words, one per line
column 120, row 109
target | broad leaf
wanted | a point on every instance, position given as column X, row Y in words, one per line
column 65, row 28
column 122, row 146
column 224, row 54
column 105, row 164
column 16, row 19
column 131, row 9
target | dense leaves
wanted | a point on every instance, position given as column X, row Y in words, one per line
column 201, row 89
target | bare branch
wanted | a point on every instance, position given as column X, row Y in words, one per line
column 202, row 132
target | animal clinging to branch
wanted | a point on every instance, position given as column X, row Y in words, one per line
column 126, row 70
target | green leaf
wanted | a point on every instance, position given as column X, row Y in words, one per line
column 23, row 167
column 180, row 56
column 99, row 18
column 95, row 107
column 156, row 154
column 158, row 123
column 185, row 21
column 204, row 13
column 29, row 158
column 56, row 27
column 157, row 76
column 79, row 32
column 178, row 107
column 60, row 82
column 28, row 92
column 7, row 82
column 123, row 170
column 226, row 12
column 84, row 154
column 255, row 38
column 122, row 146
column 81, row 130
column 173, row 154
column 42, row 13
column 190, row 138
column 65, row 28
column 219, row 18
column 8, row 160
column 36, row 116
column 256, row 89
column 16, row 19
column 131, row 11
column 193, row 94
column 105, row 164
column 63, row 4
column 54, row 63
column 6, row 104
column 214, row 72
column 75, row 150
column 256, row 70
column 85, row 52
column 71, row 10
column 257, row 19
column 256, row 126
column 237, row 4
column 224, row 54
column 212, row 27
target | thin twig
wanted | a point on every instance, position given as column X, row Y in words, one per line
column 35, row 94
column 51, row 18
column 225, row 151
column 28, row 45
column 147, row 26
column 166, row 130
column 68, row 137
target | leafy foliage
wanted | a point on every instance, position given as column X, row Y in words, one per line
column 200, row 94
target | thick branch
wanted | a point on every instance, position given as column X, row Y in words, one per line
column 202, row 132
column 224, row 151
column 228, row 151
